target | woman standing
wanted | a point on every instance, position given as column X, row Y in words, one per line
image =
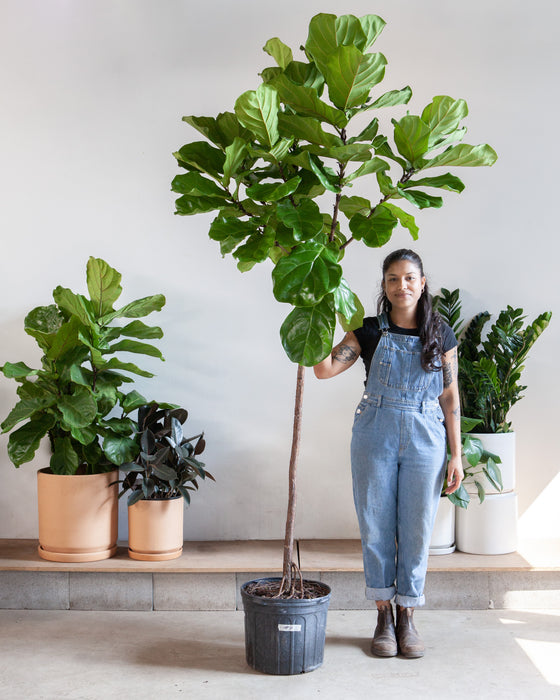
column 409, row 409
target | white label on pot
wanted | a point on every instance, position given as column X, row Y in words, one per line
column 289, row 628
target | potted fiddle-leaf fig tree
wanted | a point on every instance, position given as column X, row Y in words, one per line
column 76, row 399
column 160, row 479
column 264, row 170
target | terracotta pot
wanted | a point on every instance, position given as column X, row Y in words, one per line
column 78, row 516
column 155, row 529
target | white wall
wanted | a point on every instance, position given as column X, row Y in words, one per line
column 92, row 98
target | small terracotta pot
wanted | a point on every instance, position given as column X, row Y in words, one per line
column 78, row 516
column 155, row 529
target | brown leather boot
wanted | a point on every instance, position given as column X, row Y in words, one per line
column 384, row 642
column 410, row 644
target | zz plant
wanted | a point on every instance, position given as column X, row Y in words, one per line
column 490, row 366
column 265, row 167
column 72, row 398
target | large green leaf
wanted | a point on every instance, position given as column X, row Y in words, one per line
column 464, row 155
column 305, row 101
column 374, row 230
column 78, row 409
column 17, row 370
column 348, row 307
column 393, row 98
column 24, row 409
column 120, row 449
column 420, row 199
column 235, row 157
column 374, row 165
column 125, row 366
column 64, row 459
column 24, row 441
column 307, row 333
column 442, row 116
column 201, row 156
column 254, row 250
column 328, row 32
column 137, row 329
column 367, row 134
column 273, row 191
column 281, row 53
column 195, row 184
column 358, row 152
column 372, row 26
column 306, row 74
column 444, row 182
column 305, row 220
column 188, row 206
column 307, row 128
column 66, row 343
column 136, row 347
column 257, row 110
column 222, row 130
column 411, row 137
column 137, row 309
column 351, row 75
column 85, row 435
column 406, row 220
column 305, row 276
column 132, row 401
column 230, row 232
column 75, row 304
column 354, row 205
column 104, row 285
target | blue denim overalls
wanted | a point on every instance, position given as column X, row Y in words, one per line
column 398, row 466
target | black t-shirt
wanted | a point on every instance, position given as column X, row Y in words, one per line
column 369, row 334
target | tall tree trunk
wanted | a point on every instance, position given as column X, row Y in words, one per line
column 289, row 565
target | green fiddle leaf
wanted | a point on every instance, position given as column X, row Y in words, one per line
column 64, row 459
column 254, row 250
column 18, row 370
column 328, row 32
column 222, row 130
column 392, row 98
column 374, row 230
column 132, row 401
column 305, row 276
column 359, row 152
column 235, row 157
column 306, row 74
column 201, row 156
column 382, row 148
column 113, row 363
column 305, row 101
column 137, row 329
column 464, row 155
column 104, row 285
column 405, row 219
column 78, row 409
column 351, row 75
column 374, row 165
column 411, row 137
column 307, row 333
column 75, row 304
column 66, row 342
column 273, row 191
column 230, row 232
column 367, row 134
column 281, row 53
column 421, row 199
column 119, row 449
column 305, row 219
column 195, row 184
column 386, row 185
column 24, row 441
column 354, row 205
column 348, row 307
column 187, row 205
column 445, row 182
column 257, row 110
column 442, row 116
column 24, row 409
column 137, row 309
column 136, row 347
column 85, row 435
column 372, row 26
column 292, row 125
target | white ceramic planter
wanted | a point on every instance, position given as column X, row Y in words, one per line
column 503, row 445
column 443, row 534
column 489, row 527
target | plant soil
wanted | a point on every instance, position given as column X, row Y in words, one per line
column 270, row 589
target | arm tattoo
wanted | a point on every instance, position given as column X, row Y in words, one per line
column 344, row 354
column 450, row 370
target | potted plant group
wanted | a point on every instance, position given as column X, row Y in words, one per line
column 165, row 470
column 490, row 367
column 76, row 400
column 264, row 169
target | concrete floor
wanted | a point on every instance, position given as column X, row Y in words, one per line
column 51, row 655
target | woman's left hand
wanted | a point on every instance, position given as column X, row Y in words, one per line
column 455, row 475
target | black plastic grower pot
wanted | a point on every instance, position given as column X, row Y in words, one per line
column 284, row 637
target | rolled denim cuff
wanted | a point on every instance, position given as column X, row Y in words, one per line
column 409, row 601
column 380, row 593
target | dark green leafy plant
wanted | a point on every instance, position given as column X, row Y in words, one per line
column 265, row 168
column 72, row 398
column 490, row 367
column 167, row 464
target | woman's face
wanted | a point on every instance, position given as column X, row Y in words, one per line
column 403, row 285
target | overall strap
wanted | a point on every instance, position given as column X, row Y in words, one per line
column 383, row 322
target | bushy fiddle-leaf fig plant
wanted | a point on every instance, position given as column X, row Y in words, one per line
column 167, row 464
column 490, row 365
column 76, row 397
column 278, row 172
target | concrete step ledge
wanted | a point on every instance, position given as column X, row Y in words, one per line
column 208, row 576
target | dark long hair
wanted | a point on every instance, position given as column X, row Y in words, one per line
column 428, row 320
